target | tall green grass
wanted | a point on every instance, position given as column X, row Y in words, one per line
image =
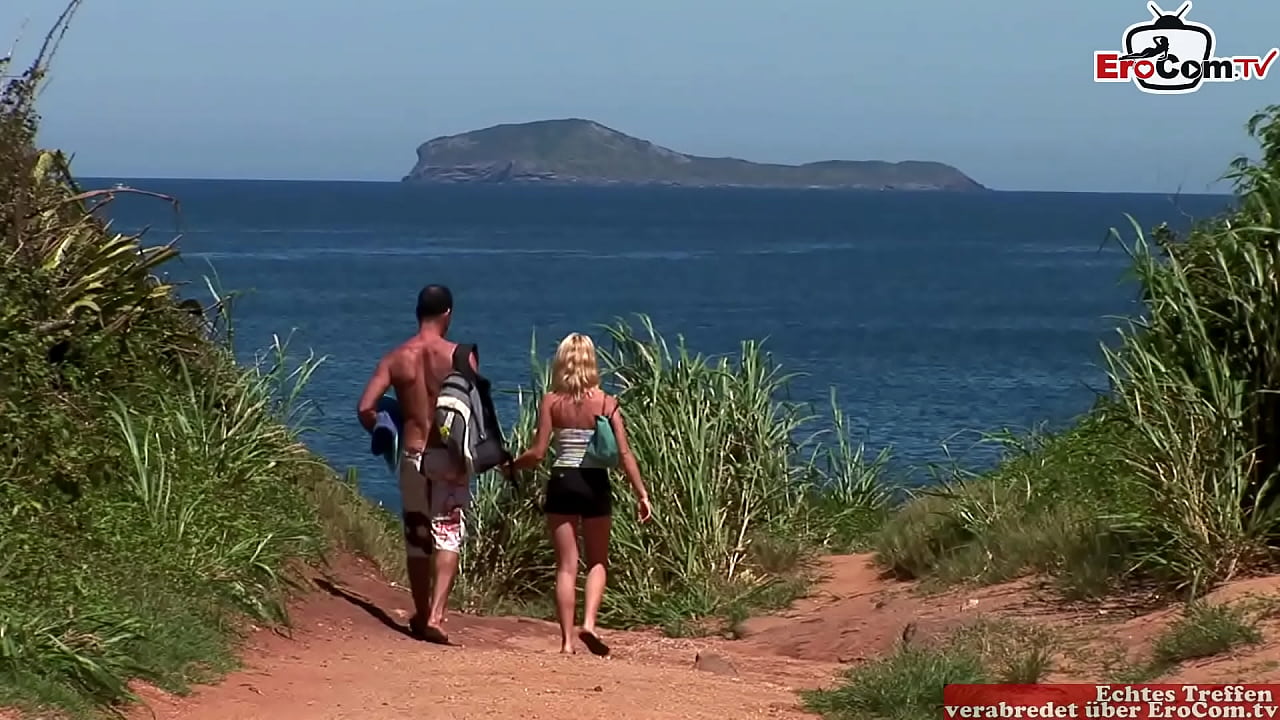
column 1057, row 505
column 739, row 501
column 153, row 496
column 1173, row 479
column 1199, row 376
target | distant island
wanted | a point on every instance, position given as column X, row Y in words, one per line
column 582, row 152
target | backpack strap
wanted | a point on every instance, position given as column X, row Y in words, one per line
column 462, row 359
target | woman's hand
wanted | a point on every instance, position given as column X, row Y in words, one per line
column 644, row 509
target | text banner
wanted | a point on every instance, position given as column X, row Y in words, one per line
column 1113, row 701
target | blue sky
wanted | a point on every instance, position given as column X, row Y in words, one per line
column 324, row 89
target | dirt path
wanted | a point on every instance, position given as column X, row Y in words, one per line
column 349, row 658
column 344, row 661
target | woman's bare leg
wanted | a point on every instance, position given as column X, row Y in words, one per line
column 595, row 541
column 565, row 540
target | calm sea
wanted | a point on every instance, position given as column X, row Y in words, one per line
column 930, row 314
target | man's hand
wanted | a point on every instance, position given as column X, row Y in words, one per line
column 367, row 409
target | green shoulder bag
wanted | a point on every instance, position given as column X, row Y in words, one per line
column 603, row 448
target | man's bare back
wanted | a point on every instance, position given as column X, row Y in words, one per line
column 416, row 369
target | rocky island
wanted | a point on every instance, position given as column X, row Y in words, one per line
column 584, row 152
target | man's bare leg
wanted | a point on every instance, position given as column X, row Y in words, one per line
column 445, row 570
column 417, row 537
column 420, row 584
column 448, row 497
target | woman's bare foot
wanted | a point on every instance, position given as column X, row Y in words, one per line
column 593, row 642
column 568, row 650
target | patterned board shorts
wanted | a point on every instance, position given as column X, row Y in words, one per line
column 435, row 495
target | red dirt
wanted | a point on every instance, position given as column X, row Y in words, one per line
column 342, row 662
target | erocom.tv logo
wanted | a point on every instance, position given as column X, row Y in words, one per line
column 1172, row 56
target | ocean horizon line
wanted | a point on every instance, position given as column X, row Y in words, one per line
column 622, row 186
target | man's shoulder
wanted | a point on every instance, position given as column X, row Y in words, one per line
column 441, row 348
column 407, row 356
column 438, row 357
column 451, row 349
column 410, row 347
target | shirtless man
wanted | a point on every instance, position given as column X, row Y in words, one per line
column 433, row 489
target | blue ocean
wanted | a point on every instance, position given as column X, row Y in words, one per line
column 933, row 316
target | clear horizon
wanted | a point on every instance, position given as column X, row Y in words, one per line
column 230, row 90
column 1220, row 192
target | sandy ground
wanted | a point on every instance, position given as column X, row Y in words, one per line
column 349, row 656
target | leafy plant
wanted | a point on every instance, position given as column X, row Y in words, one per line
column 152, row 493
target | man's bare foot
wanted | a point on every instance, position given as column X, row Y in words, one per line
column 568, row 650
column 427, row 632
column 435, row 635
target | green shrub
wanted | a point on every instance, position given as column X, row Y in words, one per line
column 908, row 683
column 1198, row 379
column 1058, row 505
column 154, row 494
column 1172, row 478
column 1204, row 630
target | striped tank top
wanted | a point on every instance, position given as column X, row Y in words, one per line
column 570, row 445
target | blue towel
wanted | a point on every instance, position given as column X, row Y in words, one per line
column 384, row 439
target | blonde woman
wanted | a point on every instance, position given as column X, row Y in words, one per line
column 578, row 492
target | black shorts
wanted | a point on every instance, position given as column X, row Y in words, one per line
column 579, row 491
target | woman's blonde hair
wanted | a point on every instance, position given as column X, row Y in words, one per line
column 575, row 372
